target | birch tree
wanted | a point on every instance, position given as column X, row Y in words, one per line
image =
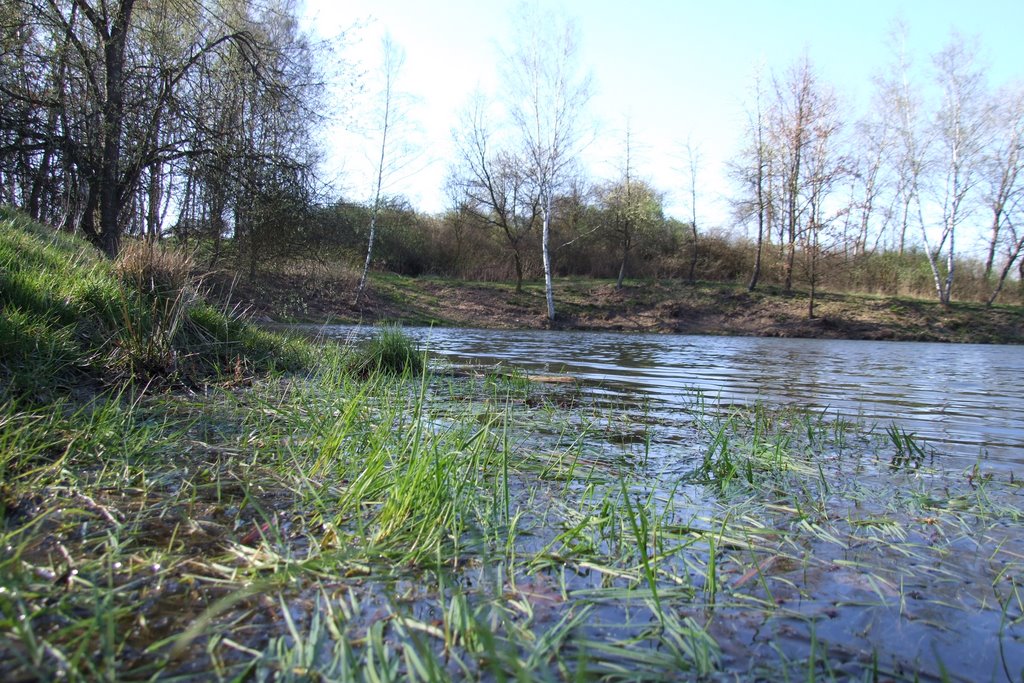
column 912, row 141
column 547, row 95
column 693, row 162
column 1003, row 166
column 1012, row 240
column 1004, row 187
column 394, row 57
column 960, row 128
column 869, row 186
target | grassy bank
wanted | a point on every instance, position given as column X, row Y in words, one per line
column 664, row 306
column 71, row 318
column 256, row 508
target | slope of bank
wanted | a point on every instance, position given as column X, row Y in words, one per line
column 71, row 318
column 664, row 306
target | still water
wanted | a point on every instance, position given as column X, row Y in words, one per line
column 966, row 400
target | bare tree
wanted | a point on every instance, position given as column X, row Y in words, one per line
column 791, row 133
column 802, row 127
column 546, row 96
column 629, row 207
column 494, row 184
column 960, row 127
column 1013, row 245
column 1003, row 172
column 869, row 181
column 909, row 156
column 394, row 57
column 693, row 161
column 1004, row 181
column 752, row 169
column 825, row 169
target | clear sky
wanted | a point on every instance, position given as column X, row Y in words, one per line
column 678, row 70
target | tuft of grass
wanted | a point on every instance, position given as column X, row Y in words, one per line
column 908, row 452
column 390, row 351
column 155, row 269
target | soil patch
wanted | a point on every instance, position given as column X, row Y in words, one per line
column 665, row 306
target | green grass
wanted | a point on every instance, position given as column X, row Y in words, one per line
column 388, row 351
column 69, row 317
column 281, row 510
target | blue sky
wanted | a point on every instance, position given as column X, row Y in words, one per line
column 678, row 70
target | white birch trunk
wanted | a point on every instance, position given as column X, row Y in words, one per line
column 392, row 63
column 549, row 290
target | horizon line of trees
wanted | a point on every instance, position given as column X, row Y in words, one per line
column 458, row 244
column 197, row 119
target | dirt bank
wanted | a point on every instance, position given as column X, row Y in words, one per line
column 657, row 306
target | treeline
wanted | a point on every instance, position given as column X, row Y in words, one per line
column 458, row 245
column 197, row 121
column 936, row 162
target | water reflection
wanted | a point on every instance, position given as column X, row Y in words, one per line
column 966, row 400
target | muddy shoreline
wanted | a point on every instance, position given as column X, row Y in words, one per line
column 662, row 306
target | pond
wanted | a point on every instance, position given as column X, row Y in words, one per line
column 672, row 494
column 966, row 401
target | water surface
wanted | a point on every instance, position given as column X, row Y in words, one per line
column 839, row 548
column 965, row 400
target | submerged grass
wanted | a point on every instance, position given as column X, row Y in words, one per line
column 353, row 520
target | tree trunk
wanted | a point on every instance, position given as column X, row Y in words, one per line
column 693, row 254
column 791, row 219
column 519, row 272
column 153, row 208
column 997, row 211
column 812, row 275
column 790, row 258
column 369, row 253
column 546, row 249
column 950, row 267
column 114, row 44
column 622, row 270
column 1010, row 258
column 253, row 252
column 89, row 215
column 39, row 183
column 903, row 226
column 756, row 275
